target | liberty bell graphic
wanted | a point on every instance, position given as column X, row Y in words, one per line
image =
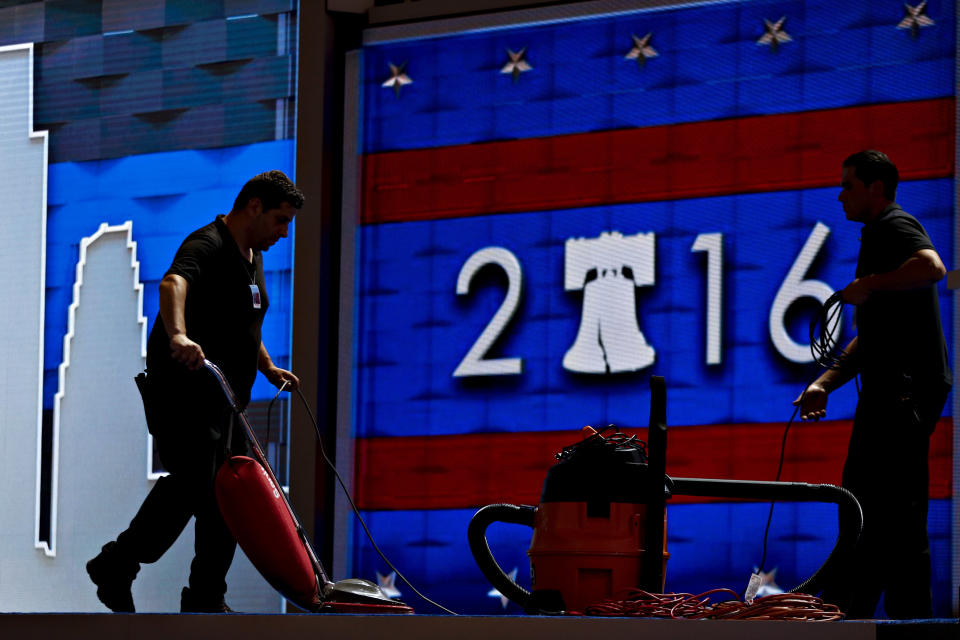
column 608, row 269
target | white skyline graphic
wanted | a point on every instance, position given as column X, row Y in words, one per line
column 100, row 465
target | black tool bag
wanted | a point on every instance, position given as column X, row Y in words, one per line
column 151, row 404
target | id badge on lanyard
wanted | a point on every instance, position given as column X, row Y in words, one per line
column 255, row 294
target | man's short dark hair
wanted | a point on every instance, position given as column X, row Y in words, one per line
column 874, row 165
column 273, row 188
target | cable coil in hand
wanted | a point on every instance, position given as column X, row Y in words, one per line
column 824, row 327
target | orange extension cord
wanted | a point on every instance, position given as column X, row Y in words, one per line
column 781, row 606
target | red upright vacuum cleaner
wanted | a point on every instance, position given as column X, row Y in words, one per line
column 600, row 526
column 261, row 518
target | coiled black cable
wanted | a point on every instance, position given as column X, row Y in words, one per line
column 823, row 332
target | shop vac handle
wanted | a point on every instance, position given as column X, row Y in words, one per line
column 477, row 537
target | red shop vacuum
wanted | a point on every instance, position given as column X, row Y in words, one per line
column 262, row 520
column 600, row 527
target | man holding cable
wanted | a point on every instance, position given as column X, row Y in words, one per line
column 212, row 303
column 900, row 354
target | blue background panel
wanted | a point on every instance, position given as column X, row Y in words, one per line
column 166, row 196
column 412, row 330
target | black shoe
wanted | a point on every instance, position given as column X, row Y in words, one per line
column 192, row 603
column 113, row 575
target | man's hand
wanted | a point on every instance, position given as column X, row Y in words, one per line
column 278, row 376
column 813, row 402
column 856, row 292
column 186, row 351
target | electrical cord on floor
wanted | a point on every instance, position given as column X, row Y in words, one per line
column 783, row 449
column 356, row 511
column 823, row 348
column 781, row 606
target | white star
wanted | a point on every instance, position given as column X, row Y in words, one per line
column 774, row 34
column 388, row 584
column 397, row 78
column 516, row 65
column 493, row 593
column 641, row 49
column 768, row 585
column 916, row 18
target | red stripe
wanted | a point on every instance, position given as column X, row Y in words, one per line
column 467, row 471
column 743, row 155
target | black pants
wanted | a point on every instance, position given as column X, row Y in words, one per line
column 191, row 428
column 887, row 470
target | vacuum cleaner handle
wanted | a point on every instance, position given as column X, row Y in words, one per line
column 324, row 581
column 651, row 567
column 477, row 537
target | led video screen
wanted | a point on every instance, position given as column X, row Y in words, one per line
column 553, row 208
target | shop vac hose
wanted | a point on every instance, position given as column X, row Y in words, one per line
column 850, row 513
column 477, row 538
column 847, row 538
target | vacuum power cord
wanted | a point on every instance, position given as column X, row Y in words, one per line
column 356, row 511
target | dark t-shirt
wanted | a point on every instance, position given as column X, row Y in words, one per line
column 899, row 332
column 219, row 312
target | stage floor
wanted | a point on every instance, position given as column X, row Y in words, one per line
column 261, row 626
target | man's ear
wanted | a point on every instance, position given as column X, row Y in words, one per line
column 877, row 188
column 254, row 206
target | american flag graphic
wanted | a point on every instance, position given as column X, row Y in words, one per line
column 495, row 163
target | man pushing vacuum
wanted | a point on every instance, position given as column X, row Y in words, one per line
column 212, row 302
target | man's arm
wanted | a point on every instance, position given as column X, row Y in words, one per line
column 813, row 401
column 921, row 269
column 173, row 298
column 273, row 373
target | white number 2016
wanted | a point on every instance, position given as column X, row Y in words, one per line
column 474, row 363
column 793, row 287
